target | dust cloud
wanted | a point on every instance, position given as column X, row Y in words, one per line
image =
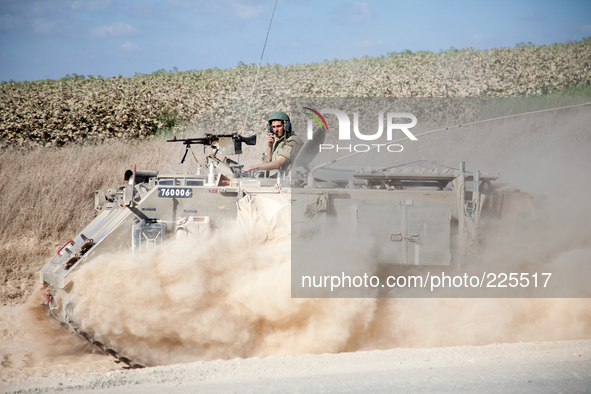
column 221, row 299
column 49, row 336
column 227, row 298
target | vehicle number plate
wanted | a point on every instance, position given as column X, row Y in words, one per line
column 175, row 192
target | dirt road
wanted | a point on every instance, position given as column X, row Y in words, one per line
column 522, row 367
column 58, row 361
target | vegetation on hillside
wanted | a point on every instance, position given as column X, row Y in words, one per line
column 76, row 108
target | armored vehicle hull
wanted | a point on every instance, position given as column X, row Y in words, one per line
column 417, row 216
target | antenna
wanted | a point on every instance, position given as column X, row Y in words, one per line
column 259, row 66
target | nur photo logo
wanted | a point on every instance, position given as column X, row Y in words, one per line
column 392, row 124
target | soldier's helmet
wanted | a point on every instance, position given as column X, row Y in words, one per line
column 279, row 115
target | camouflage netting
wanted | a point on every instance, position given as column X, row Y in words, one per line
column 77, row 109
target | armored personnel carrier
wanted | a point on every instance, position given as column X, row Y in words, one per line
column 419, row 216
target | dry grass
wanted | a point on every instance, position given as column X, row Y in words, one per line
column 47, row 197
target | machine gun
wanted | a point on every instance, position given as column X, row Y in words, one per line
column 226, row 144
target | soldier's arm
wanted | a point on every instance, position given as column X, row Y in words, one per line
column 274, row 165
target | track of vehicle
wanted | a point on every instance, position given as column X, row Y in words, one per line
column 72, row 326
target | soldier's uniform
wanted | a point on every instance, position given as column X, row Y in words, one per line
column 288, row 148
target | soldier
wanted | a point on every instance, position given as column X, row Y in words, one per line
column 283, row 146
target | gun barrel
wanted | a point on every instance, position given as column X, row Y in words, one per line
column 210, row 138
column 188, row 141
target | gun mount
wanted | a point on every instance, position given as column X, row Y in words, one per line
column 226, row 144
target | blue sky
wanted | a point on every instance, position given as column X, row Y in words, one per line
column 49, row 39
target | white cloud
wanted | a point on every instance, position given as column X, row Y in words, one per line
column 538, row 16
column 358, row 12
column 137, row 10
column 93, row 5
column 8, row 22
column 244, row 9
column 118, row 29
column 476, row 38
column 368, row 43
column 586, row 29
column 131, row 47
column 43, row 26
column 44, row 7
